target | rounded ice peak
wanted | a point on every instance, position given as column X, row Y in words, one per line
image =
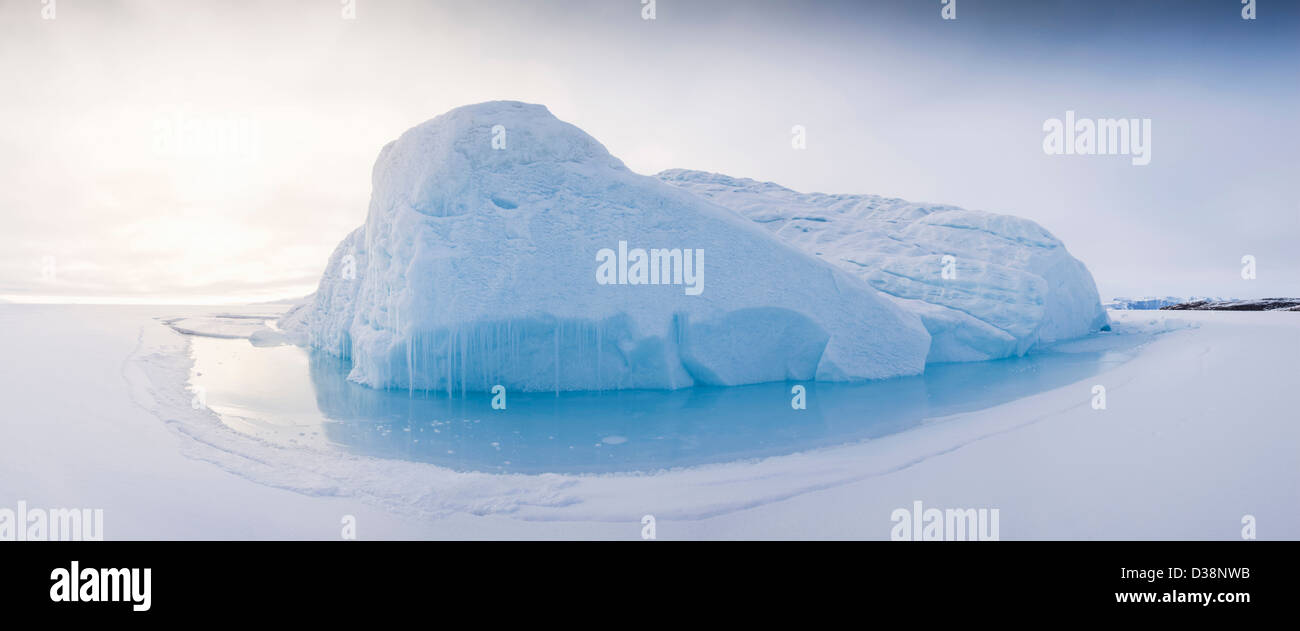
column 437, row 165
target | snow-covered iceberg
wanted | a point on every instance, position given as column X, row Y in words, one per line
column 1009, row 284
column 480, row 263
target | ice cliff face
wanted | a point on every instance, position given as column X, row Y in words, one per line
column 481, row 261
column 1009, row 284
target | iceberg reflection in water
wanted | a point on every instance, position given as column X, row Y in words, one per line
column 295, row 397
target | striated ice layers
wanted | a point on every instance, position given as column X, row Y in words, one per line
column 477, row 266
column 1009, row 286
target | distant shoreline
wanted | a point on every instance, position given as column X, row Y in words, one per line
column 1261, row 304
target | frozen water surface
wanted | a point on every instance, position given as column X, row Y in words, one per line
column 300, row 398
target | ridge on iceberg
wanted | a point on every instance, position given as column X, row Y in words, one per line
column 477, row 266
column 1015, row 285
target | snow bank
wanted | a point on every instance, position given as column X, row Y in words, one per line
column 478, row 265
column 1014, row 286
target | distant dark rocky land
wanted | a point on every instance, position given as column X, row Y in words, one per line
column 1261, row 304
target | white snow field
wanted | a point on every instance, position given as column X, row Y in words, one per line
column 1200, row 430
column 481, row 258
column 1012, row 285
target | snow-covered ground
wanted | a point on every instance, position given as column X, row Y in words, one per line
column 1200, row 429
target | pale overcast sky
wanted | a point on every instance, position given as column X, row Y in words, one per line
column 103, row 197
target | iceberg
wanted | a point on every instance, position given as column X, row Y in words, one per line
column 986, row 285
column 503, row 246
